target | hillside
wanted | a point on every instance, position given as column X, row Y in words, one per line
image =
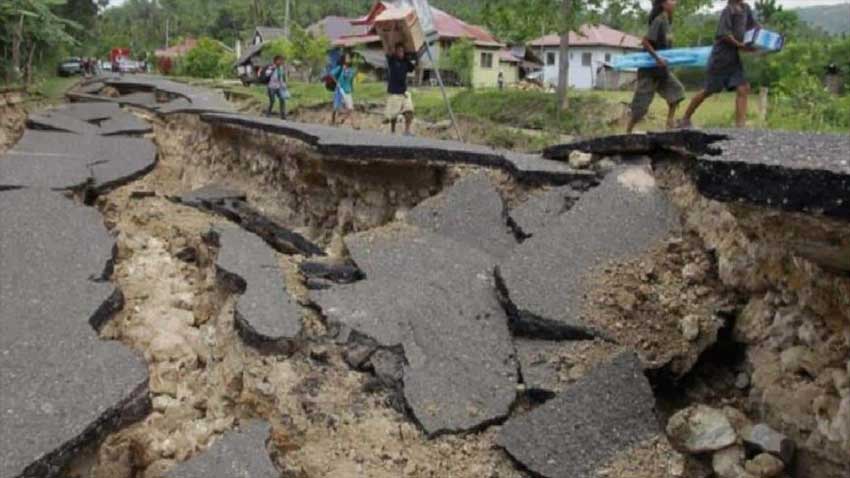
column 834, row 19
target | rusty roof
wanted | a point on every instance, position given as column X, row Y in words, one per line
column 592, row 35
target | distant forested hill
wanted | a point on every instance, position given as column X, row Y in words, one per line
column 834, row 19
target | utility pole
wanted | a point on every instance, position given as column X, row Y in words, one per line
column 564, row 60
column 167, row 25
column 286, row 21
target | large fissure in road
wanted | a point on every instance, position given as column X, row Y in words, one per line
column 313, row 302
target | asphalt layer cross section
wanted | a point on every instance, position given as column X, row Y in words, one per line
column 265, row 310
column 798, row 172
column 238, row 453
column 62, row 387
column 471, row 211
column 63, row 161
column 434, row 298
column 548, row 276
column 575, row 434
column 373, row 146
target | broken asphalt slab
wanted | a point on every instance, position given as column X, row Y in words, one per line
column 372, row 146
column 62, row 387
column 471, row 211
column 238, row 453
column 542, row 208
column 186, row 98
column 124, row 124
column 53, row 121
column 550, row 367
column 232, row 205
column 798, row 172
column 578, row 432
column 434, row 298
column 89, row 112
column 265, row 311
column 547, row 277
column 63, row 161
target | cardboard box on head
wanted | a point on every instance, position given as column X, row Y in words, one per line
column 400, row 26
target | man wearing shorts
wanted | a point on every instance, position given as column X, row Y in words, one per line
column 658, row 79
column 725, row 69
column 399, row 101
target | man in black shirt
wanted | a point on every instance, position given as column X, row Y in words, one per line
column 399, row 101
column 725, row 68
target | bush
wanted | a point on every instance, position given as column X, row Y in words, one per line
column 460, row 59
column 800, row 102
column 208, row 59
column 165, row 65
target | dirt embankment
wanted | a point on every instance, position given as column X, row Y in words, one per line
column 794, row 326
column 13, row 117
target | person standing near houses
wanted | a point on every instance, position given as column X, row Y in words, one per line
column 277, row 88
column 725, row 69
column 659, row 79
column 344, row 75
column 399, row 101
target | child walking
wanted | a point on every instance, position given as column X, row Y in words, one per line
column 277, row 88
column 658, row 79
column 725, row 69
column 344, row 96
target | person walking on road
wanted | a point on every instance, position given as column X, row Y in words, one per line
column 399, row 101
column 725, row 69
column 277, row 88
column 344, row 75
column 658, row 79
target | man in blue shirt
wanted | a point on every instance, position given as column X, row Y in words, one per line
column 399, row 101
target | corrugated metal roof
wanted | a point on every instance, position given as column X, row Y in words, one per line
column 270, row 33
column 591, row 35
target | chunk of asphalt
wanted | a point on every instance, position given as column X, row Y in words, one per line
column 435, row 298
column 238, row 453
column 125, row 124
column 548, row 276
column 63, row 160
column 277, row 236
column 266, row 312
column 471, row 212
column 336, row 272
column 798, row 172
column 209, row 194
column 89, row 112
column 578, row 432
column 53, row 121
column 188, row 98
column 541, row 209
column 231, row 204
column 62, row 387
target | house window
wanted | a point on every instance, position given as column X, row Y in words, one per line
column 586, row 59
column 486, row 60
column 550, row 58
column 607, row 58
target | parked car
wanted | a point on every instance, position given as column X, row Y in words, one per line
column 70, row 66
column 130, row 66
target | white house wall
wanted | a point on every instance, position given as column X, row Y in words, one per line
column 582, row 77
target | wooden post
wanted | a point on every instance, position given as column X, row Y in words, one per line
column 763, row 103
column 564, row 60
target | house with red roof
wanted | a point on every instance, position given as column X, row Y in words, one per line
column 591, row 50
column 491, row 56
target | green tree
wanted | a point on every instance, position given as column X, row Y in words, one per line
column 28, row 27
column 460, row 59
column 209, row 59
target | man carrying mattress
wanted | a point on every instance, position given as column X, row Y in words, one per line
column 659, row 79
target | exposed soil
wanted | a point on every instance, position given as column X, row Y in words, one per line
column 13, row 117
